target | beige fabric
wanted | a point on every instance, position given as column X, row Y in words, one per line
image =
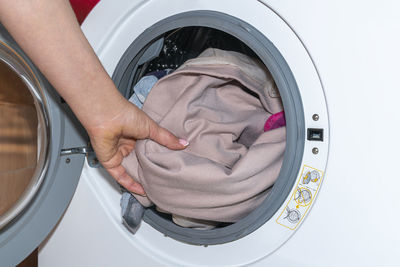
column 230, row 163
column 194, row 223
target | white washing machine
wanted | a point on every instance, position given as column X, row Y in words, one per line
column 334, row 202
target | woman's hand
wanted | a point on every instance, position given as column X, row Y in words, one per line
column 115, row 138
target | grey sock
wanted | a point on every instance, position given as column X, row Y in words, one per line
column 132, row 212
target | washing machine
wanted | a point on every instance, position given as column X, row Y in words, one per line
column 334, row 202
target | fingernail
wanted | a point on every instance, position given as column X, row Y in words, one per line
column 183, row 142
column 143, row 194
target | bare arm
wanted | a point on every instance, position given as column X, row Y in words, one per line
column 49, row 34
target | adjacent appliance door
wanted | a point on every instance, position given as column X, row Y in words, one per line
column 40, row 154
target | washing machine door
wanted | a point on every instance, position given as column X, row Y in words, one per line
column 42, row 149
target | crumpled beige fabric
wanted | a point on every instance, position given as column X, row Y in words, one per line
column 230, row 164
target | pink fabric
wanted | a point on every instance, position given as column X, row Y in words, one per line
column 277, row 120
column 230, row 164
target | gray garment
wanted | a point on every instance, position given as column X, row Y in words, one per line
column 230, row 164
column 131, row 210
column 142, row 89
column 144, row 85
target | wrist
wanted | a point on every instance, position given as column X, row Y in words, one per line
column 99, row 104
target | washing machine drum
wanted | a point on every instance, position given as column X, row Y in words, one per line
column 173, row 41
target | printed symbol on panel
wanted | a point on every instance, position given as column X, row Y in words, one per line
column 293, row 215
column 312, row 176
column 303, row 197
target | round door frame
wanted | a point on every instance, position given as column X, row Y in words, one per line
column 288, row 89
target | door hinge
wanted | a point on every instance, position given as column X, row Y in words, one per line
column 87, row 150
column 76, row 150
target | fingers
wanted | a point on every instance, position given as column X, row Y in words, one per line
column 118, row 172
column 166, row 138
column 123, row 178
column 126, row 146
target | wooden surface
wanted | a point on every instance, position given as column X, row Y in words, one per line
column 12, row 89
column 18, row 138
column 31, row 260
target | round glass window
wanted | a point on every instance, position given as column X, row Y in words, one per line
column 23, row 138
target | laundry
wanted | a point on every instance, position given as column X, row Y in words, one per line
column 160, row 73
column 275, row 121
column 219, row 102
column 131, row 210
column 143, row 87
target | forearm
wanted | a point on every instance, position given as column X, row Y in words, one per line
column 60, row 50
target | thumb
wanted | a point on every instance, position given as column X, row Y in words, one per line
column 166, row 138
